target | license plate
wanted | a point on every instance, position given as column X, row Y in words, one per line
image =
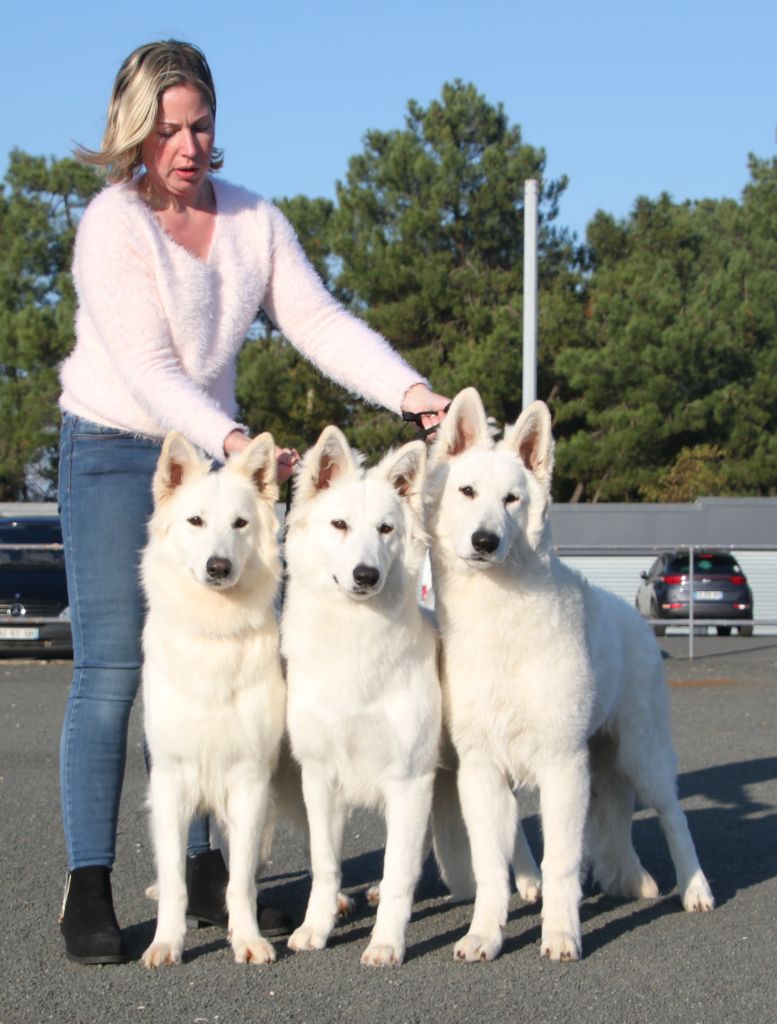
column 19, row 633
column 708, row 595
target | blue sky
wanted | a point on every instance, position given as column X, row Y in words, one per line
column 626, row 98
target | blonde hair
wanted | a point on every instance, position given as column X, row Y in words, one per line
column 134, row 106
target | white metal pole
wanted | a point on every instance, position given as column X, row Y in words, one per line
column 691, row 627
column 530, row 194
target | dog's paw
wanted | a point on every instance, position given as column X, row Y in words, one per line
column 152, row 892
column 646, row 887
column 560, row 946
column 161, row 954
column 345, row 905
column 383, row 954
column 373, row 895
column 478, row 947
column 255, row 950
column 698, row 897
column 529, row 889
column 306, row 937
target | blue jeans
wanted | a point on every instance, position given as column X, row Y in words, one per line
column 105, row 501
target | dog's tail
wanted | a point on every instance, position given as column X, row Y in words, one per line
column 450, row 839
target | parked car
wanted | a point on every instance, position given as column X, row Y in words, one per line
column 34, row 613
column 720, row 590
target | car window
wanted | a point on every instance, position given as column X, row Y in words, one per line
column 16, row 534
column 706, row 561
column 655, row 568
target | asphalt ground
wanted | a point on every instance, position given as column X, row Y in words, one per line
column 643, row 961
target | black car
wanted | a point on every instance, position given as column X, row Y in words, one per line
column 720, row 590
column 34, row 612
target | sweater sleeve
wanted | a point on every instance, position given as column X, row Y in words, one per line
column 338, row 343
column 118, row 293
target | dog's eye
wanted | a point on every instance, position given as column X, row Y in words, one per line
column 339, row 524
column 511, row 499
column 385, row 528
column 195, row 521
column 239, row 523
column 468, row 492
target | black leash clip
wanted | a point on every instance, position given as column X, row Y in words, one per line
column 416, row 417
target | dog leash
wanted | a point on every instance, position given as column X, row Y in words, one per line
column 417, row 418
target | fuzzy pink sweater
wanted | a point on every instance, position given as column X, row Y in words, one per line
column 158, row 330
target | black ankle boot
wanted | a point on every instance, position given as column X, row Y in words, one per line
column 88, row 921
column 206, row 886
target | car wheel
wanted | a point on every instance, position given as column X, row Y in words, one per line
column 745, row 630
column 724, row 630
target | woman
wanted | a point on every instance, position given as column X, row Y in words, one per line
column 170, row 267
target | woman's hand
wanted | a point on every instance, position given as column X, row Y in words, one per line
column 419, row 399
column 286, row 458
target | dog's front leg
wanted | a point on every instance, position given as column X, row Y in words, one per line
column 408, row 805
column 490, row 815
column 326, row 820
column 564, row 795
column 247, row 800
column 169, row 821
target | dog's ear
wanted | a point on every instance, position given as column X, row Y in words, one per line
column 178, row 461
column 464, row 427
column 405, row 470
column 329, row 458
column 532, row 440
column 257, row 461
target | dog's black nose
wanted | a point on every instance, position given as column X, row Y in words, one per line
column 218, row 568
column 366, row 575
column 485, row 542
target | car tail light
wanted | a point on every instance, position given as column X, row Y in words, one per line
column 738, row 580
column 673, row 579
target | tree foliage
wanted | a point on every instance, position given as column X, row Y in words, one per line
column 428, row 231
column 679, row 349
column 39, row 207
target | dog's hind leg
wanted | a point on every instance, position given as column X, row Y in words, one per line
column 490, row 814
column 651, row 767
column 169, row 820
column 408, row 803
column 326, row 821
column 614, row 862
column 248, row 794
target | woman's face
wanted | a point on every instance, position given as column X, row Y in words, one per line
column 177, row 153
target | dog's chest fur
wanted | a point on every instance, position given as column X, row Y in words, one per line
column 211, row 705
column 517, row 679
column 363, row 696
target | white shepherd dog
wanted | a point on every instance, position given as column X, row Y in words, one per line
column 547, row 681
column 214, row 694
column 363, row 692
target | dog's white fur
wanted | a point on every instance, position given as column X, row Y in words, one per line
column 364, row 702
column 547, row 681
column 213, row 689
